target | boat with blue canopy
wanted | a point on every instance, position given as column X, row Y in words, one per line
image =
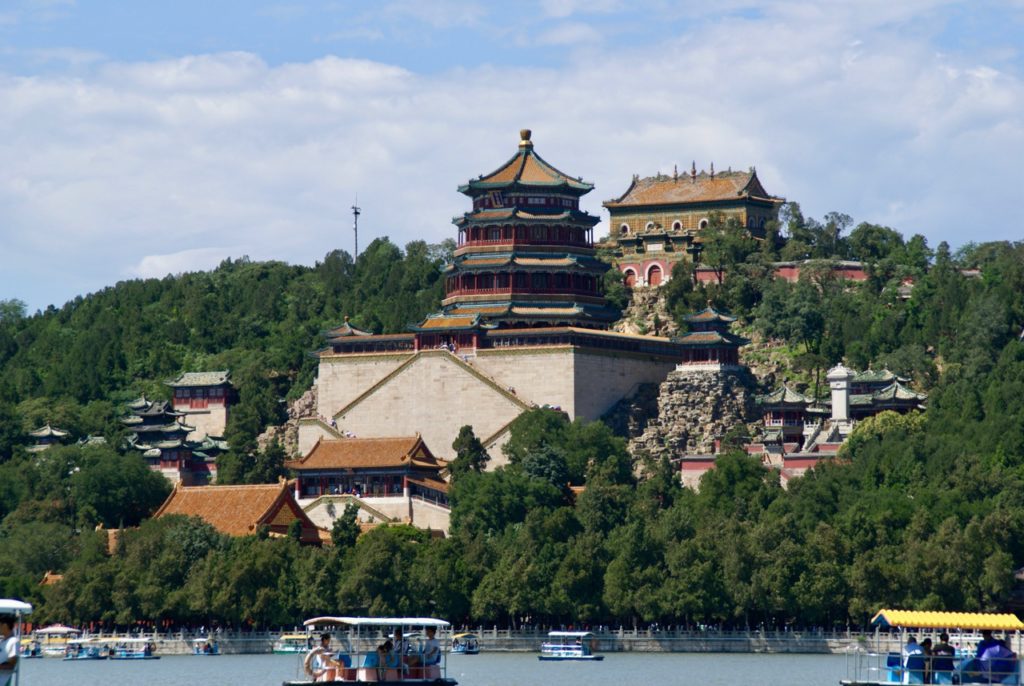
column 135, row 649
column 86, row 649
column 938, row 648
column 465, row 644
column 204, row 645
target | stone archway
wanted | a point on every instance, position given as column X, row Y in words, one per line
column 630, row 279
column 654, row 275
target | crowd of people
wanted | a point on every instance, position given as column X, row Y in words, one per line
column 928, row 663
column 395, row 653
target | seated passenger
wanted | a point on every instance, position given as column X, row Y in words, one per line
column 913, row 662
column 942, row 661
column 431, row 648
column 1002, row 662
column 987, row 641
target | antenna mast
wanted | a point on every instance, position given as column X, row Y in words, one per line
column 355, row 225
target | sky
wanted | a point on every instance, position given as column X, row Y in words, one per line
column 144, row 138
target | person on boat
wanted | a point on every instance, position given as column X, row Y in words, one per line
column 431, row 647
column 8, row 650
column 387, row 658
column 401, row 645
column 913, row 661
column 942, row 658
column 926, row 648
column 1000, row 660
column 987, row 641
column 319, row 662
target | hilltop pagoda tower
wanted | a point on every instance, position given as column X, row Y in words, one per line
column 525, row 255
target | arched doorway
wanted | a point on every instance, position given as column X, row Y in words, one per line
column 630, row 280
column 654, row 276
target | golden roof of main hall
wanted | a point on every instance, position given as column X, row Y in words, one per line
column 698, row 188
column 233, row 510
column 367, row 453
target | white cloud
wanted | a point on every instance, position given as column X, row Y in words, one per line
column 567, row 8
column 138, row 168
column 159, row 266
column 571, row 33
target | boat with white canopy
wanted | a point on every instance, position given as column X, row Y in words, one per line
column 18, row 610
column 359, row 653
column 54, row 638
column 570, row 645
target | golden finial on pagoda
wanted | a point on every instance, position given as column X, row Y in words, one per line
column 524, row 138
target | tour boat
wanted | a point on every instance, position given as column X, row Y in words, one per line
column 17, row 609
column 355, row 658
column 135, row 649
column 86, row 649
column 570, row 645
column 30, row 648
column 961, row 663
column 293, row 643
column 465, row 644
column 205, row 646
column 54, row 639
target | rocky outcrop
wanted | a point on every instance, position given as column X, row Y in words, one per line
column 647, row 313
column 694, row 409
column 287, row 434
column 630, row 416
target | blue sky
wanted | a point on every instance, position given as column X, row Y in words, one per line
column 142, row 138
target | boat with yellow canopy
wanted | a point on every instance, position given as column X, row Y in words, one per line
column 929, row 647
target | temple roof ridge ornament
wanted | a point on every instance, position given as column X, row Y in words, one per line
column 703, row 187
column 526, row 169
column 47, row 431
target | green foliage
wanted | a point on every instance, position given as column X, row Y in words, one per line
column 470, row 454
column 920, row 510
column 345, row 530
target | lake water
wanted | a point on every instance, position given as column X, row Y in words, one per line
column 488, row 669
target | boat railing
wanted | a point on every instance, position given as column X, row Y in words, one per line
column 868, row 667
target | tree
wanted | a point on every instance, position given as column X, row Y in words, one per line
column 470, row 454
column 345, row 530
column 725, row 244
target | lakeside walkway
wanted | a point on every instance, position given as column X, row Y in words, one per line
column 609, row 641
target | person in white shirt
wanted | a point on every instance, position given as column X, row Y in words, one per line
column 8, row 650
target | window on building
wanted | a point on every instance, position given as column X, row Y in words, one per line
column 703, row 223
column 624, row 229
column 649, row 226
column 677, row 225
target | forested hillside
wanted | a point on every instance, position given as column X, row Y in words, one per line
column 923, row 510
column 75, row 366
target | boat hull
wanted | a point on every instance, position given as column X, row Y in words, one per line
column 385, row 682
column 573, row 658
column 135, row 657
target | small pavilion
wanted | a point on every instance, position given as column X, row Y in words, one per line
column 708, row 345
